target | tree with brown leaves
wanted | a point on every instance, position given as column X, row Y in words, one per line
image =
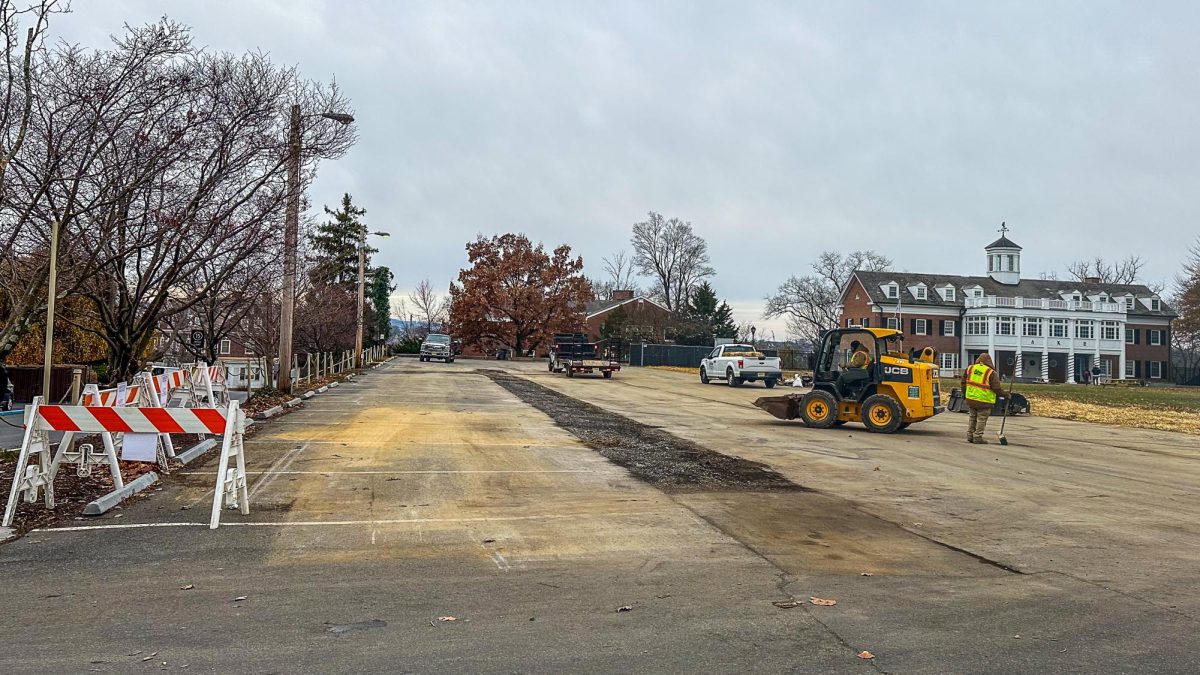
column 516, row 295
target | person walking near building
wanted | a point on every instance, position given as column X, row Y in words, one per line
column 981, row 383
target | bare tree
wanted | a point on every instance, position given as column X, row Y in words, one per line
column 430, row 308
column 1185, row 332
column 1125, row 271
column 671, row 254
column 810, row 303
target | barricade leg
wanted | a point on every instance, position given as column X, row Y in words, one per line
column 28, row 479
column 231, row 480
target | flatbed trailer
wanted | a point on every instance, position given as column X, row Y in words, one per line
column 573, row 355
column 604, row 366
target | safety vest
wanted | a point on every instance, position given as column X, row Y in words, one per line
column 978, row 379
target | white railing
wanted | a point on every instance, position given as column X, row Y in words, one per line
column 1043, row 303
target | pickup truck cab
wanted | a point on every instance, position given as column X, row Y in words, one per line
column 739, row 363
column 437, row 346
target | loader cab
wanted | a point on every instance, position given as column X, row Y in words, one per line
column 833, row 372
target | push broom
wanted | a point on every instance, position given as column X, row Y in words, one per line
column 1004, row 415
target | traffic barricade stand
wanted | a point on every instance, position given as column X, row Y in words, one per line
column 41, row 419
column 85, row 457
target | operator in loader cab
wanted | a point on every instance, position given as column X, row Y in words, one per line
column 860, row 358
column 981, row 383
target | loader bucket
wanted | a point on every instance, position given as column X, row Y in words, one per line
column 784, row 407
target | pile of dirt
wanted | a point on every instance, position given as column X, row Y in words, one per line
column 651, row 455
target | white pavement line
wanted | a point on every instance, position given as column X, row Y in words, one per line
column 501, row 563
column 318, row 523
column 385, row 473
column 274, row 470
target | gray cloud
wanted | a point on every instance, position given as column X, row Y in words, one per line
column 778, row 129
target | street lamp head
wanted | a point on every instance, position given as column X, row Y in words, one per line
column 340, row 118
column 381, row 233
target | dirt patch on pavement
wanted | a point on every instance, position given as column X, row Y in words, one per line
column 651, row 455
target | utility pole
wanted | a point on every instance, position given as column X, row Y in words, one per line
column 362, row 281
column 291, row 227
column 51, row 293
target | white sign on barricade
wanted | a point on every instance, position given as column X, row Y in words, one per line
column 29, row 480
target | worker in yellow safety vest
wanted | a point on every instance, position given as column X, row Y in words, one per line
column 981, row 383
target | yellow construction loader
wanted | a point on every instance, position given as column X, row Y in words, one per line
column 894, row 390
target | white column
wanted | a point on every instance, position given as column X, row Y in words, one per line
column 1018, row 360
column 1121, row 357
column 991, row 333
column 1071, row 351
column 1045, row 350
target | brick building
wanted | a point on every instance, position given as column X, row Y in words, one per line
column 641, row 317
column 1040, row 329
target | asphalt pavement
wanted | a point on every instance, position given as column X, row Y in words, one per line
column 424, row 519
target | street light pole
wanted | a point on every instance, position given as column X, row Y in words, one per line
column 51, row 292
column 362, row 281
column 291, row 232
column 291, row 228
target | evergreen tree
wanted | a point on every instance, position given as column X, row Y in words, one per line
column 380, row 292
column 723, row 323
column 335, row 244
column 706, row 318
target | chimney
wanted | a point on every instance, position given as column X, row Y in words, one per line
column 1091, row 280
column 622, row 295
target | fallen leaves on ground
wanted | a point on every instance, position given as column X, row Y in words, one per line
column 447, row 618
column 864, row 654
column 787, row 604
column 625, row 608
column 822, row 602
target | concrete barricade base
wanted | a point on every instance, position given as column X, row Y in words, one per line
column 105, row 503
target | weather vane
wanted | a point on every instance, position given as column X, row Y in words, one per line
column 1003, row 229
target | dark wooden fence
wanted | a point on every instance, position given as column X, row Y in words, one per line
column 27, row 381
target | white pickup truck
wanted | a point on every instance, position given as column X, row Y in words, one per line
column 740, row 363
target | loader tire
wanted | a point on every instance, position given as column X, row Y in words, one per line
column 881, row 414
column 818, row 409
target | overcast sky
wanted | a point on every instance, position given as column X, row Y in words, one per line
column 777, row 129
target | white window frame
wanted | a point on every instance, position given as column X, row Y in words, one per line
column 950, row 325
column 893, row 323
column 1109, row 328
column 1154, row 369
column 1129, row 368
column 1059, row 328
column 1129, row 300
column 892, row 291
column 1089, row 333
column 948, row 360
column 1129, row 335
column 1012, row 262
column 226, row 346
column 1154, row 337
column 1006, row 325
column 921, row 293
column 977, row 325
column 1031, row 327
column 948, row 294
column 1155, row 304
column 920, row 326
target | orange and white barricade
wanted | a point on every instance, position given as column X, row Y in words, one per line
column 204, row 387
column 41, row 419
column 165, row 383
column 85, row 457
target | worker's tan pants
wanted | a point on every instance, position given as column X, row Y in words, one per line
column 979, row 418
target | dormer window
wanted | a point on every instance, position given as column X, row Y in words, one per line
column 948, row 294
column 1129, row 303
column 920, row 292
column 1155, row 304
column 892, row 291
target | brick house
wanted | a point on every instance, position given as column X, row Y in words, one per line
column 1041, row 329
column 645, row 319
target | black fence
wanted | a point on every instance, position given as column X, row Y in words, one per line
column 683, row 356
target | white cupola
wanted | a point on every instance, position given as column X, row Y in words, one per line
column 1004, row 259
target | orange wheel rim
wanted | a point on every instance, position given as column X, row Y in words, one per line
column 817, row 410
column 881, row 414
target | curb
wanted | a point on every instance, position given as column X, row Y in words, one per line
column 323, row 389
column 196, row 450
column 102, row 504
column 333, row 384
column 270, row 412
column 292, row 403
column 308, row 394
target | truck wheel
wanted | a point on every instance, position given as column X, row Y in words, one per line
column 770, row 382
column 881, row 414
column 570, row 372
column 608, row 374
column 818, row 409
column 450, row 360
column 550, row 366
column 731, row 380
column 703, row 375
